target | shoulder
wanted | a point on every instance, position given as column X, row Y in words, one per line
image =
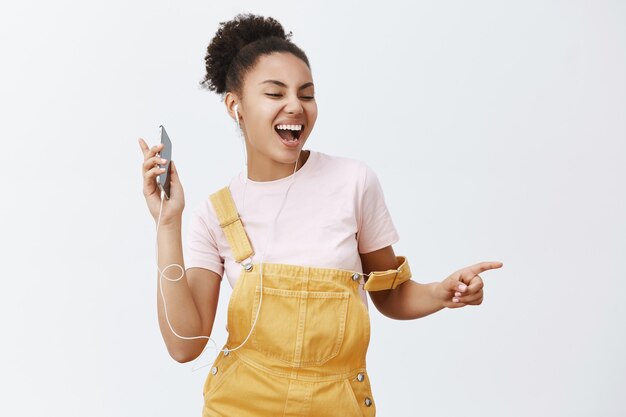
column 350, row 167
column 204, row 212
column 336, row 159
column 346, row 175
column 360, row 172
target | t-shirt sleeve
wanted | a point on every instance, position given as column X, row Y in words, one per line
column 201, row 250
column 376, row 228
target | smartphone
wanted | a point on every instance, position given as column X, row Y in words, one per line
column 166, row 152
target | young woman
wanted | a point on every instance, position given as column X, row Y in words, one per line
column 302, row 237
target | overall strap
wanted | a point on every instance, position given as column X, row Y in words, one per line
column 230, row 222
column 390, row 279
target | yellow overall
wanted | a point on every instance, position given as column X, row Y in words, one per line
column 306, row 354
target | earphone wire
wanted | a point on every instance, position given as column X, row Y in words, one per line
column 182, row 274
column 265, row 248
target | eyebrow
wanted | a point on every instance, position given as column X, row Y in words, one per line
column 282, row 84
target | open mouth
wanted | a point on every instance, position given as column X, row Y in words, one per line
column 289, row 133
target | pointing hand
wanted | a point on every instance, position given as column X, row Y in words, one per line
column 465, row 286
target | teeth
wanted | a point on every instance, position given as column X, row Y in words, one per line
column 289, row 127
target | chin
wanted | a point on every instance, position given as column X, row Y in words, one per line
column 289, row 155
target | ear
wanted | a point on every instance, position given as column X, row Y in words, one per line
column 229, row 101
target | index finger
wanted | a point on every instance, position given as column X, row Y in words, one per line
column 144, row 146
column 484, row 266
column 149, row 152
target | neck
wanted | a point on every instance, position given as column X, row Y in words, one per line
column 262, row 169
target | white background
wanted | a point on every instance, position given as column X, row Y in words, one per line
column 498, row 132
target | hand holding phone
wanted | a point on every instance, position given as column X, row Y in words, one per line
column 164, row 179
column 159, row 178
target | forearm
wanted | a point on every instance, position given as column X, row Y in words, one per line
column 410, row 300
column 181, row 309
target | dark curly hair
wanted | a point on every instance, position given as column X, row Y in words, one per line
column 237, row 46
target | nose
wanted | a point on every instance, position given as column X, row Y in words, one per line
column 294, row 106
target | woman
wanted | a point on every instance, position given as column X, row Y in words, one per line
column 302, row 236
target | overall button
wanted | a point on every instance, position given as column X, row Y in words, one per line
column 214, row 370
column 355, row 277
column 247, row 264
column 226, row 352
column 360, row 377
column 368, row 402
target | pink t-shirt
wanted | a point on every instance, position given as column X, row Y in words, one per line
column 335, row 210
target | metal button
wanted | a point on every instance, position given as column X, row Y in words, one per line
column 248, row 267
column 355, row 276
column 214, row 370
column 360, row 377
column 368, row 402
column 226, row 352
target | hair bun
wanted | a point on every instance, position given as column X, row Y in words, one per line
column 230, row 38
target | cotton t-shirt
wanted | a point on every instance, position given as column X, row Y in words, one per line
column 334, row 210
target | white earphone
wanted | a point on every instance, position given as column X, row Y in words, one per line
column 237, row 115
column 245, row 154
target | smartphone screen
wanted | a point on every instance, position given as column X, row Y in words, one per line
column 166, row 153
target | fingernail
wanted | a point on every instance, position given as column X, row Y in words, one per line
column 457, row 294
column 462, row 287
column 163, row 160
column 456, row 300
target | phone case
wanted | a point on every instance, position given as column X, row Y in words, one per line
column 166, row 153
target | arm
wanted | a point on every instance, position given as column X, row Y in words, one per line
column 191, row 301
column 411, row 300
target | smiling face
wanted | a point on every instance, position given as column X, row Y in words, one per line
column 277, row 111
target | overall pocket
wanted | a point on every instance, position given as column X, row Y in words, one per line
column 361, row 393
column 299, row 328
column 219, row 374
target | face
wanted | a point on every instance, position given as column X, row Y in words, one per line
column 277, row 109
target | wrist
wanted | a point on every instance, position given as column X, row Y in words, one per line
column 435, row 295
column 172, row 226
